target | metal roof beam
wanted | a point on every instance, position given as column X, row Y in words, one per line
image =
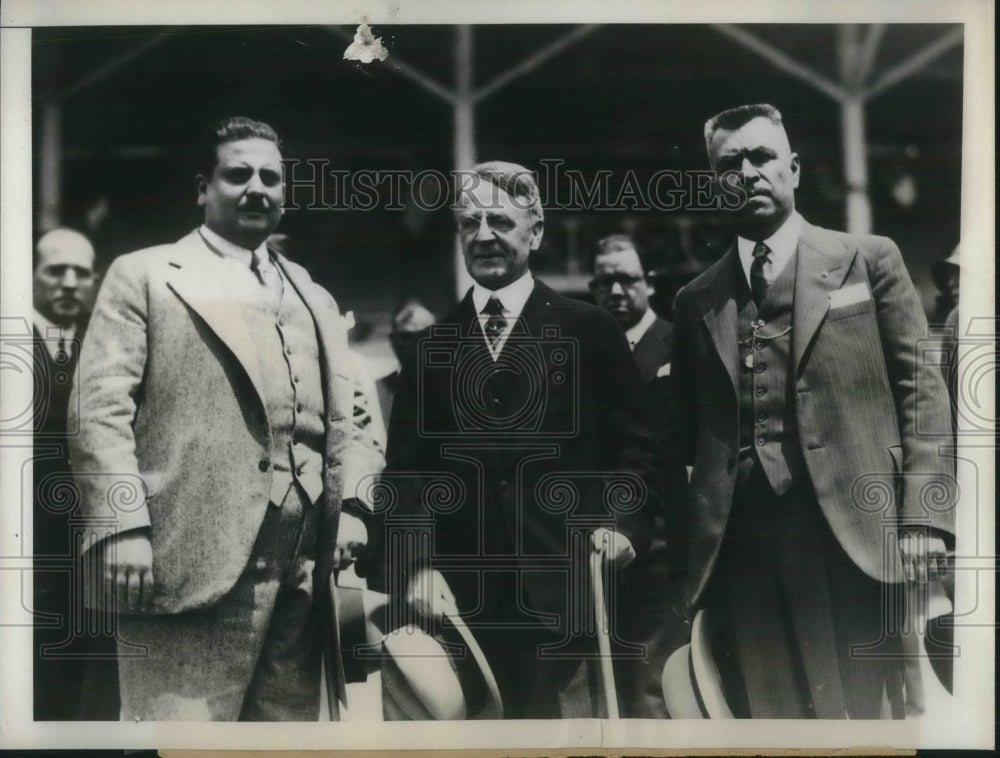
column 116, row 63
column 534, row 60
column 916, row 62
column 781, row 60
column 868, row 50
column 404, row 69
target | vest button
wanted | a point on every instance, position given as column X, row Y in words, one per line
column 263, row 464
column 761, row 367
column 761, row 391
column 298, row 408
column 504, row 487
column 760, row 442
column 761, row 416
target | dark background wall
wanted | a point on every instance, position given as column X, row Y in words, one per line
column 626, row 98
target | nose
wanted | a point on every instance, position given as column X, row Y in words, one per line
column 69, row 279
column 748, row 169
column 255, row 186
column 617, row 289
column 484, row 233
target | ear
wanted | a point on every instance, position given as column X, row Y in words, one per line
column 201, row 183
column 536, row 234
column 794, row 163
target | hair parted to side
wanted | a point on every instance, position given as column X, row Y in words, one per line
column 515, row 180
column 231, row 129
column 615, row 242
column 734, row 118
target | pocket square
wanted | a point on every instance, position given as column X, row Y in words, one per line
column 663, row 370
column 855, row 293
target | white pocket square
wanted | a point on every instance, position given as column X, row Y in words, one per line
column 855, row 293
column 663, row 370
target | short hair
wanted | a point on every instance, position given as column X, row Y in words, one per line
column 64, row 234
column 516, row 181
column 231, row 129
column 615, row 242
column 734, row 118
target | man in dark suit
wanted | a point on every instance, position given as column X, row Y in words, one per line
column 224, row 430
column 621, row 287
column 813, row 430
column 520, row 433
column 75, row 675
column 645, row 612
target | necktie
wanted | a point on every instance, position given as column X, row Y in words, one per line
column 758, row 283
column 62, row 351
column 269, row 276
column 496, row 323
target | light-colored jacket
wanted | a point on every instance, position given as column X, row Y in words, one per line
column 173, row 431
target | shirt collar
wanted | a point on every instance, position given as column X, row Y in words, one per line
column 51, row 330
column 512, row 297
column 782, row 245
column 230, row 250
column 637, row 331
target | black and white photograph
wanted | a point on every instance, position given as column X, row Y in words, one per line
column 578, row 377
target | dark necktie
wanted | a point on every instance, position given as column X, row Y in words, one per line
column 758, row 284
column 496, row 323
column 62, row 351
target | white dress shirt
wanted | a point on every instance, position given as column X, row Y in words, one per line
column 782, row 245
column 512, row 298
column 638, row 330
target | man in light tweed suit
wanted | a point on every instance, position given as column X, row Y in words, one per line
column 813, row 430
column 223, row 434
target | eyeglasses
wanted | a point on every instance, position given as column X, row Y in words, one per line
column 606, row 282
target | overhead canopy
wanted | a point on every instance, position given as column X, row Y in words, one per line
column 125, row 106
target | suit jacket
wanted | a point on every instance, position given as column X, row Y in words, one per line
column 871, row 414
column 173, row 431
column 653, row 351
column 524, row 448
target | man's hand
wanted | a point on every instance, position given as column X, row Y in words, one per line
column 430, row 594
column 128, row 570
column 352, row 537
column 617, row 547
column 923, row 555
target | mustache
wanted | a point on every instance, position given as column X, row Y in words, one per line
column 255, row 205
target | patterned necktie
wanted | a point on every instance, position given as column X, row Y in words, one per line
column 496, row 323
column 758, row 283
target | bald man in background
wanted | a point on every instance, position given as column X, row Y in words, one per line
column 75, row 676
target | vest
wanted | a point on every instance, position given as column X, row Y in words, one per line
column 768, row 425
column 288, row 358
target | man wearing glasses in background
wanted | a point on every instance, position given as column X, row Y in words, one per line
column 645, row 614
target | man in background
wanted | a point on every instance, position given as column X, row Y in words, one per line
column 650, row 587
column 75, row 675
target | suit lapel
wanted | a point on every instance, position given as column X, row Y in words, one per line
column 204, row 281
column 821, row 265
column 721, row 317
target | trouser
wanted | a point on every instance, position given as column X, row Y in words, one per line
column 255, row 655
column 800, row 631
column 542, row 670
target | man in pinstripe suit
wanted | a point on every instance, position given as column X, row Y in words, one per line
column 813, row 431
